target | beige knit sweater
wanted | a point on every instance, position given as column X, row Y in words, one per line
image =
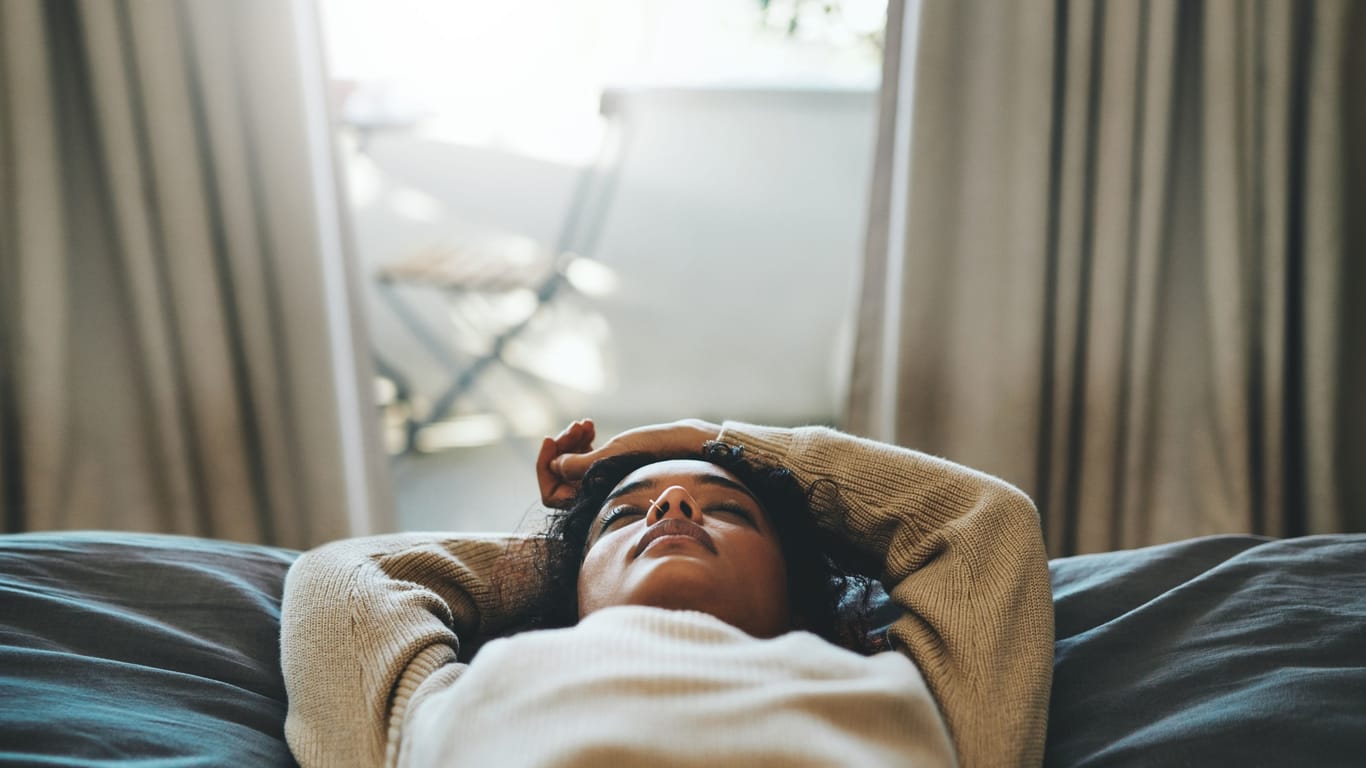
column 371, row 626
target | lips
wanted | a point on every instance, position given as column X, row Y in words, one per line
column 673, row 526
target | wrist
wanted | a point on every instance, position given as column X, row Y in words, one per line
column 700, row 433
column 770, row 444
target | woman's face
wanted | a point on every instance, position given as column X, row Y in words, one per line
column 687, row 535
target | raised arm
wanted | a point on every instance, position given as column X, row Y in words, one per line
column 371, row 627
column 962, row 553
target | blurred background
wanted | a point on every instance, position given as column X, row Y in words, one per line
column 292, row 270
column 633, row 211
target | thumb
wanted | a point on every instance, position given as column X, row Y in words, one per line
column 573, row 466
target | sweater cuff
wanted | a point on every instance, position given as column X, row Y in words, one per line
column 413, row 683
column 772, row 444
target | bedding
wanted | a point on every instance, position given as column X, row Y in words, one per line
column 117, row 647
column 1226, row 650
column 1229, row 650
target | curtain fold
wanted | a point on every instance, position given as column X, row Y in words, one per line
column 179, row 349
column 1128, row 256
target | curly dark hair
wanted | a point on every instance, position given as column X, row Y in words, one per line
column 829, row 598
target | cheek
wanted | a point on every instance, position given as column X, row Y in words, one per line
column 596, row 578
column 777, row 569
column 766, row 568
column 767, row 601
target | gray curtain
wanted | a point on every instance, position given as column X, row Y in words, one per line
column 177, row 349
column 1116, row 257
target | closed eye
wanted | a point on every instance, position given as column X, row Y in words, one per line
column 735, row 510
column 624, row 512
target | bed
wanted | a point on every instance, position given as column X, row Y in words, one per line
column 1225, row 650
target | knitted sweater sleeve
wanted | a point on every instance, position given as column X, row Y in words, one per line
column 371, row 626
column 962, row 554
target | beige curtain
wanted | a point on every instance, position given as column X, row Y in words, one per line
column 177, row 347
column 1116, row 257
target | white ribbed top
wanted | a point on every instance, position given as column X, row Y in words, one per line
column 634, row 685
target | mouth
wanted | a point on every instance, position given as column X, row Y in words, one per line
column 673, row 527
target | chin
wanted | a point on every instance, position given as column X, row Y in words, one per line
column 680, row 583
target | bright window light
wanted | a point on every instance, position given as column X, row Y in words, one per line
column 526, row 76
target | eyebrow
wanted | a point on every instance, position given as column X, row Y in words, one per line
column 726, row 482
column 640, row 485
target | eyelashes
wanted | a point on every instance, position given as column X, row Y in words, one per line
column 619, row 513
column 734, row 509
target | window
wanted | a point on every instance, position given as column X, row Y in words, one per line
column 635, row 210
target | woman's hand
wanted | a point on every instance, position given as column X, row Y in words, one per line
column 565, row 458
column 556, row 489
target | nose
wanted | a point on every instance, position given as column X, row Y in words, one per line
column 675, row 501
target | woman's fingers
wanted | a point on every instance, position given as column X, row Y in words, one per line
column 557, row 488
column 546, row 477
column 575, row 438
column 566, row 434
column 564, row 459
column 581, row 436
column 573, row 466
column 676, row 439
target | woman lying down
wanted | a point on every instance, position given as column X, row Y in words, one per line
column 687, row 607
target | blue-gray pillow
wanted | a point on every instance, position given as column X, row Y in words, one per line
column 1226, row 650
column 162, row 649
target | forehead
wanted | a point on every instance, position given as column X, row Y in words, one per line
column 685, row 472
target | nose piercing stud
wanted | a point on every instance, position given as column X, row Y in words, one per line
column 683, row 506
